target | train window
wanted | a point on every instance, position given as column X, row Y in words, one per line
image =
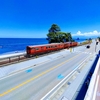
column 37, row 48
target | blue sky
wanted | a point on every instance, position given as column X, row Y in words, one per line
column 33, row 18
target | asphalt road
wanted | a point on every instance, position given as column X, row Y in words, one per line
column 35, row 83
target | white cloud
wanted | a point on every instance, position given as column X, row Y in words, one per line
column 94, row 33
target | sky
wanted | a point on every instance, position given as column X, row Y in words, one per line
column 33, row 18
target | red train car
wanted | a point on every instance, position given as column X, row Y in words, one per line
column 66, row 45
column 74, row 44
column 37, row 49
column 40, row 49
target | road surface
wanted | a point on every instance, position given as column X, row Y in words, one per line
column 35, row 83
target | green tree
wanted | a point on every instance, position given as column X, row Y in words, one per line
column 56, row 36
column 54, row 28
column 53, row 35
column 68, row 37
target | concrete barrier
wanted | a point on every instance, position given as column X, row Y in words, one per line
column 91, row 92
column 86, row 82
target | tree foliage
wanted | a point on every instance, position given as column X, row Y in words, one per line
column 54, row 28
column 56, row 36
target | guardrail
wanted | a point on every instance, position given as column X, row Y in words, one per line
column 11, row 55
column 6, row 59
column 91, row 92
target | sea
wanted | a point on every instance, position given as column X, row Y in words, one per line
column 14, row 45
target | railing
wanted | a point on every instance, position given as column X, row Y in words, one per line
column 91, row 92
column 6, row 59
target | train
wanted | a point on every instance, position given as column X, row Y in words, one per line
column 46, row 48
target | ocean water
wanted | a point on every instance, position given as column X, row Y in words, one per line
column 80, row 40
column 11, row 45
